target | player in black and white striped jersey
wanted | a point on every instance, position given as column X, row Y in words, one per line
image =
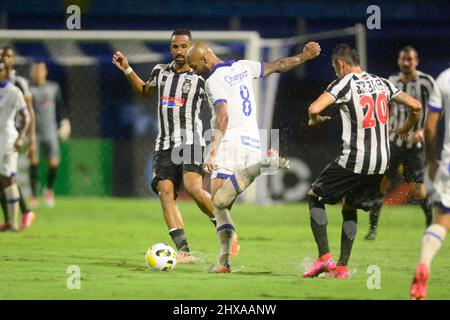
column 356, row 174
column 408, row 152
column 179, row 145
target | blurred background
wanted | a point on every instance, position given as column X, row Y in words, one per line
column 110, row 152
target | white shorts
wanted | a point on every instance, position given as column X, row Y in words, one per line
column 238, row 150
column 439, row 189
column 8, row 161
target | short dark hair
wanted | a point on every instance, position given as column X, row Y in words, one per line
column 182, row 32
column 410, row 48
column 38, row 61
column 347, row 53
column 7, row 48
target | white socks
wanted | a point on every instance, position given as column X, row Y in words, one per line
column 12, row 200
column 431, row 242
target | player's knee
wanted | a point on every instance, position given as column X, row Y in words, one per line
column 5, row 182
column 165, row 193
column 53, row 162
column 350, row 229
column 350, row 224
column 222, row 199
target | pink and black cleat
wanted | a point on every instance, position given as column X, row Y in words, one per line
column 27, row 220
column 323, row 264
column 419, row 286
column 340, row 272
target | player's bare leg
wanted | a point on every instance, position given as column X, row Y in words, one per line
column 174, row 220
column 225, row 192
column 419, row 193
column 193, row 183
column 431, row 242
column 225, row 230
column 374, row 214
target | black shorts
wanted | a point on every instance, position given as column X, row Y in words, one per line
column 413, row 161
column 359, row 190
column 171, row 164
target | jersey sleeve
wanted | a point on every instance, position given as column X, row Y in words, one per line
column 215, row 92
column 391, row 89
column 255, row 68
column 340, row 89
column 153, row 78
column 435, row 101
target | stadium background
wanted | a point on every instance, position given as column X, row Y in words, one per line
column 114, row 130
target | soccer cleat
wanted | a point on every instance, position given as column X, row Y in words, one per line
column 419, row 286
column 371, row 235
column 235, row 247
column 340, row 272
column 274, row 161
column 219, row 268
column 184, row 257
column 3, row 227
column 34, row 202
column 49, row 196
column 323, row 264
column 27, row 220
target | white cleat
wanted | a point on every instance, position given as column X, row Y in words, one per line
column 49, row 196
column 274, row 161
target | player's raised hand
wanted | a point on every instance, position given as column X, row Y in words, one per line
column 311, row 50
column 120, row 61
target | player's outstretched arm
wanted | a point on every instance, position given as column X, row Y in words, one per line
column 325, row 100
column 413, row 115
column 310, row 51
column 431, row 128
column 121, row 62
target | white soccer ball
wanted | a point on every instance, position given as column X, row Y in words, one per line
column 161, row 257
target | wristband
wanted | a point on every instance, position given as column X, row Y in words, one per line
column 128, row 70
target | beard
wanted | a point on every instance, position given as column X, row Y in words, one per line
column 180, row 60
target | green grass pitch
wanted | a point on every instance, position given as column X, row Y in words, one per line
column 107, row 239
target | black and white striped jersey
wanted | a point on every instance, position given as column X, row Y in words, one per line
column 420, row 88
column 363, row 100
column 180, row 96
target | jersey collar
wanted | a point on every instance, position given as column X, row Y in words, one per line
column 4, row 83
column 223, row 64
column 175, row 71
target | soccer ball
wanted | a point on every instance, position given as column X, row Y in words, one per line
column 161, row 257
